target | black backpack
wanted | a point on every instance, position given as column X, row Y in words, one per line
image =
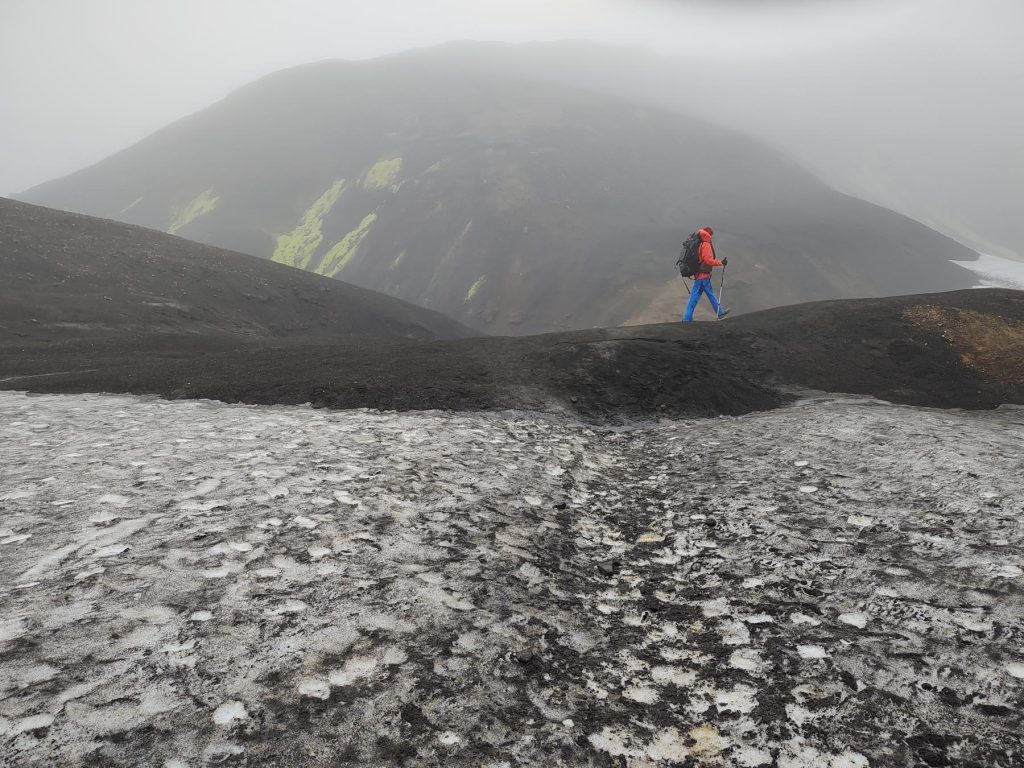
column 689, row 258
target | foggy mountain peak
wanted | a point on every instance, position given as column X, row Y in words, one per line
column 500, row 196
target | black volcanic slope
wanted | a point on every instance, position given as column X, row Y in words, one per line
column 65, row 276
column 510, row 205
column 960, row 349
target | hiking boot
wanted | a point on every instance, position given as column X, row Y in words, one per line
column 723, row 313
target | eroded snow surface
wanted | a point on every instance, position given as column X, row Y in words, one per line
column 191, row 583
column 996, row 271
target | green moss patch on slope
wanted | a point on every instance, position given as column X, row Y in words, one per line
column 383, row 174
column 130, row 206
column 202, row 204
column 345, row 249
column 296, row 248
column 474, row 288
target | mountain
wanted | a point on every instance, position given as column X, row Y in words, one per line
column 512, row 205
column 66, row 277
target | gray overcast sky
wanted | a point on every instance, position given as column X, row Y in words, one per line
column 81, row 79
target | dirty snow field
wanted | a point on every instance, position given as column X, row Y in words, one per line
column 836, row 584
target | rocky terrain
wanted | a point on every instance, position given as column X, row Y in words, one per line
column 834, row 583
column 513, row 205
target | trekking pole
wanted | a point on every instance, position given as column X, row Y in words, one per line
column 721, row 295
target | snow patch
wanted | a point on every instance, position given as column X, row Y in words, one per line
column 228, row 712
column 669, row 675
column 1015, row 669
column 811, row 652
column 995, row 271
column 114, row 499
column 641, row 693
column 314, row 688
column 355, row 669
column 858, row 620
column 614, row 741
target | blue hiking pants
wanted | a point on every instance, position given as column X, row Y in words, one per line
column 701, row 286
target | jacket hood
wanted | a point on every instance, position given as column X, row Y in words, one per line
column 705, row 234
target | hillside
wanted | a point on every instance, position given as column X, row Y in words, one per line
column 65, row 277
column 953, row 350
column 511, row 205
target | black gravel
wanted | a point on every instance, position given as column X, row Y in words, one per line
column 754, row 362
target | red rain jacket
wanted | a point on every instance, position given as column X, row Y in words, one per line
column 706, row 254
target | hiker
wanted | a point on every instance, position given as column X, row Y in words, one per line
column 702, row 275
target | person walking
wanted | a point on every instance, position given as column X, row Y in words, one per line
column 702, row 277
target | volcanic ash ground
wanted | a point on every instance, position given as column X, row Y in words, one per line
column 836, row 584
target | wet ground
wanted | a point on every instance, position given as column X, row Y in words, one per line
column 833, row 584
